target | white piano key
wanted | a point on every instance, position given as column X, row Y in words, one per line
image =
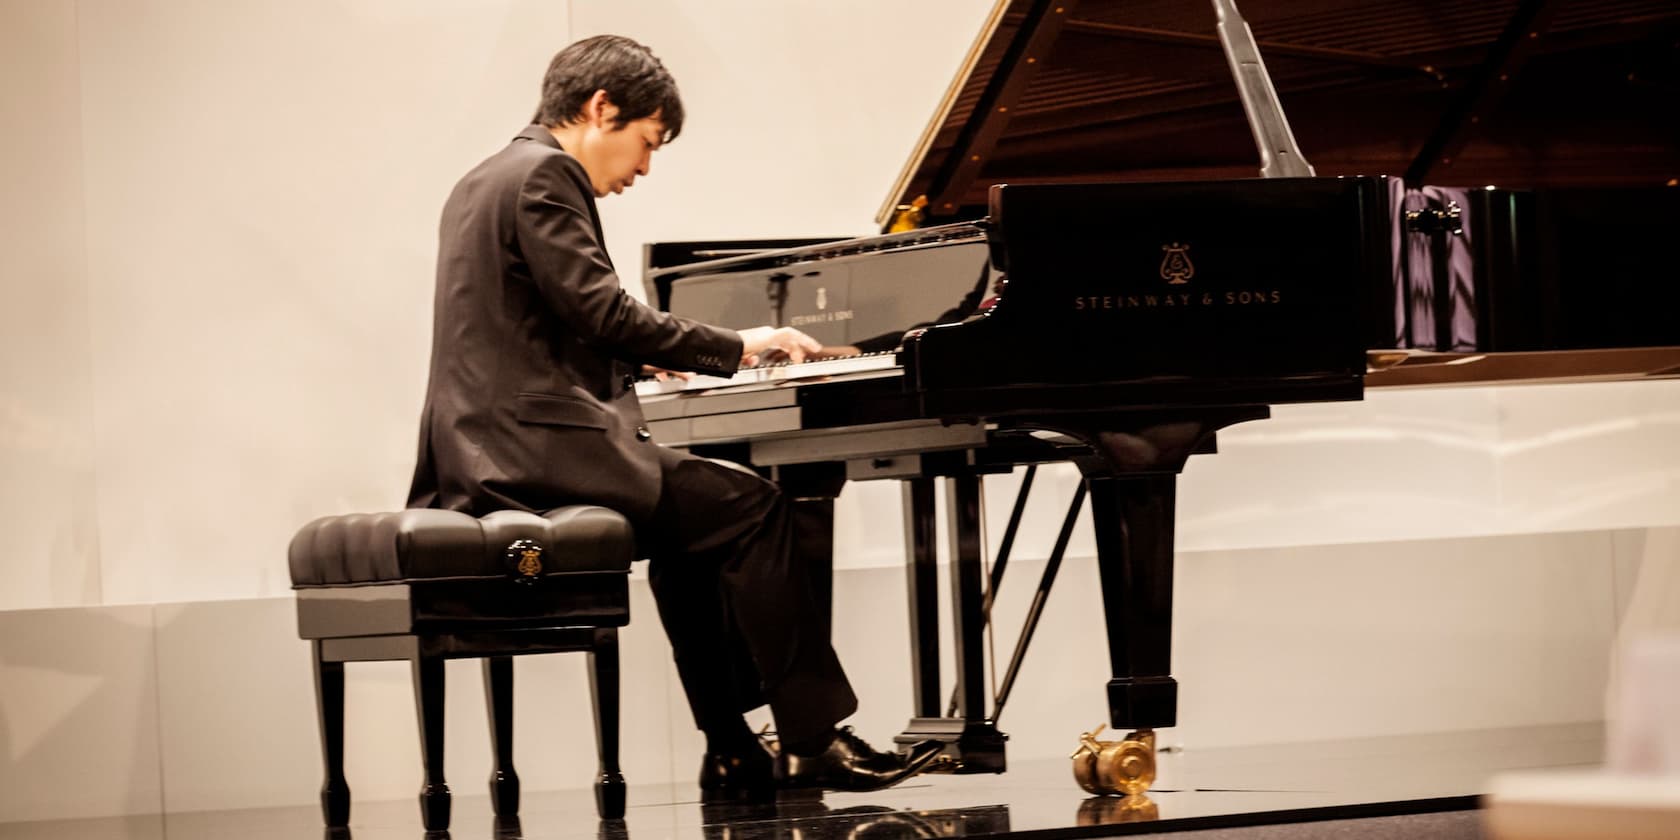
column 771, row 373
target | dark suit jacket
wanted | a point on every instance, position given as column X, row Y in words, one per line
column 535, row 345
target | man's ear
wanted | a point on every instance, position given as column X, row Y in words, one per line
column 599, row 110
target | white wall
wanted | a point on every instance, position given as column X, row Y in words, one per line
column 49, row 540
column 245, row 348
column 245, row 345
column 799, row 114
column 214, row 307
column 265, row 179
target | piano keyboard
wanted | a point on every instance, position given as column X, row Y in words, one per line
column 772, row 373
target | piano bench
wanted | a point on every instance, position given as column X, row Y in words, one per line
column 431, row 585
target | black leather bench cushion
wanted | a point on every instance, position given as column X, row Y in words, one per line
column 417, row 545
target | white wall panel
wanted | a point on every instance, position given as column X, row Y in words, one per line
column 49, row 541
column 1270, row 646
column 1598, row 457
column 1328, row 642
column 1648, row 594
column 1349, row 641
column 267, row 178
column 78, row 713
column 238, row 724
column 1400, row 465
column 234, row 684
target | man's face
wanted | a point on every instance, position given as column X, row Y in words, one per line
column 614, row 155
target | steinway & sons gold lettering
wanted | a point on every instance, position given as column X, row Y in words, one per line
column 1179, row 300
column 1247, row 298
column 820, row 318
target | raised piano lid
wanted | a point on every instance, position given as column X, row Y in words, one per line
column 1567, row 108
column 1066, row 91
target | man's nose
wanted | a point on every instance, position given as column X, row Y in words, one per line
column 646, row 164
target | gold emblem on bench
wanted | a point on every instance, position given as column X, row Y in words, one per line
column 525, row 558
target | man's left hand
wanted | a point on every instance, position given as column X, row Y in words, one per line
column 662, row 374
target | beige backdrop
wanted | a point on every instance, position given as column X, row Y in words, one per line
column 219, row 222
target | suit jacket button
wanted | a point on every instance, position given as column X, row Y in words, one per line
column 643, row 434
column 629, row 382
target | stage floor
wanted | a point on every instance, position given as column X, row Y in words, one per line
column 1434, row 777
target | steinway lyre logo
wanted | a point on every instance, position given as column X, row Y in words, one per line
column 1176, row 267
column 524, row 560
column 822, row 297
column 530, row 562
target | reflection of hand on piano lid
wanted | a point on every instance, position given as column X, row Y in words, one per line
column 975, row 301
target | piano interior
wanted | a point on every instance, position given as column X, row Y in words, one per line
column 1521, row 95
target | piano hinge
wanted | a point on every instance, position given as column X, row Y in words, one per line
column 908, row 216
column 1433, row 220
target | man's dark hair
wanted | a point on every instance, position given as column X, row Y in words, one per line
column 634, row 80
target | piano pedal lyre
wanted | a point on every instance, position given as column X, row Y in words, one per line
column 1120, row 768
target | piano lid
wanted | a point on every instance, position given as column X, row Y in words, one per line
column 1518, row 93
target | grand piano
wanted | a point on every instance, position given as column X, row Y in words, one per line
column 1077, row 265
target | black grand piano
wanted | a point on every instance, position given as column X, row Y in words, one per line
column 1078, row 266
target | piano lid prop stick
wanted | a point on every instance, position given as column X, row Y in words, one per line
column 1279, row 156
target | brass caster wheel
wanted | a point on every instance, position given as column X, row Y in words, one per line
column 1115, row 767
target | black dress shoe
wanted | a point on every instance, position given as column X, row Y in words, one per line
column 733, row 777
column 851, row 764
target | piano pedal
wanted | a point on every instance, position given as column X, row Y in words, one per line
column 768, row 740
column 1123, row 768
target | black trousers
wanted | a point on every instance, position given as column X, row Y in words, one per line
column 748, row 620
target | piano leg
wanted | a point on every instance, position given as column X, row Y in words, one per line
column 921, row 549
column 973, row 742
column 1133, row 520
column 968, row 622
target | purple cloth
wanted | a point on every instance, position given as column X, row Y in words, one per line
column 1416, row 309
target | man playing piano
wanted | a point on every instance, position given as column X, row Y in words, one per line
column 531, row 405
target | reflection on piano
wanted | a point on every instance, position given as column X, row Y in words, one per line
column 1085, row 300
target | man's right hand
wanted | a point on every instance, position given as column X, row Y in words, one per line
column 760, row 342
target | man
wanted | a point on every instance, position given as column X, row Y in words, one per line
column 531, row 405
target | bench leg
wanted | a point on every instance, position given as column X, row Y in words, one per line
column 603, row 690
column 329, row 706
column 428, row 699
column 498, row 698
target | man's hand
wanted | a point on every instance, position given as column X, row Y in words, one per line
column 662, row 374
column 763, row 341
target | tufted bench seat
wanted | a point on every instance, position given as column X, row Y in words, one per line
column 431, row 585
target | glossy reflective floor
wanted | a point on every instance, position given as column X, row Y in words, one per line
column 1418, row 786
